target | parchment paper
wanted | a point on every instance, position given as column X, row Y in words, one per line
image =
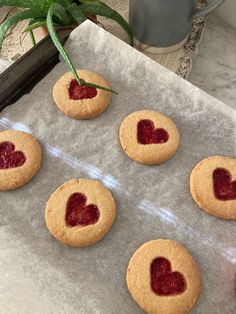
column 37, row 273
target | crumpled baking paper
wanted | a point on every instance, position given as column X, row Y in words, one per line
column 40, row 275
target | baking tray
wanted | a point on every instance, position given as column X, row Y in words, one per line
column 38, row 274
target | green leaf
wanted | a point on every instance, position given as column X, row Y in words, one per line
column 18, row 3
column 99, row 8
column 98, row 86
column 91, row 1
column 14, row 19
column 52, row 10
column 36, row 20
column 35, row 25
column 32, row 37
column 28, row 4
column 61, row 13
column 63, row 16
column 77, row 13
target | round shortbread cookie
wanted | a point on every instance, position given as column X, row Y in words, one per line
column 213, row 186
column 80, row 212
column 81, row 102
column 149, row 137
column 163, row 278
column 20, row 159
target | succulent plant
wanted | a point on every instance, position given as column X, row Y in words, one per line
column 57, row 13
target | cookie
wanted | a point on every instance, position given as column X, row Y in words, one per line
column 213, row 186
column 80, row 212
column 163, row 278
column 149, row 137
column 81, row 102
column 20, row 159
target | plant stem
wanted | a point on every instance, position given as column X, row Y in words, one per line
column 32, row 37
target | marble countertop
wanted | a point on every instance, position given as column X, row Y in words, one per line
column 214, row 69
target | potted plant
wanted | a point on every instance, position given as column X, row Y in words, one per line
column 60, row 13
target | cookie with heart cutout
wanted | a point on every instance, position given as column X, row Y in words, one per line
column 163, row 278
column 213, row 186
column 149, row 137
column 80, row 212
column 20, row 159
column 81, row 102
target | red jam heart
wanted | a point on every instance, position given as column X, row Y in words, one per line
column 147, row 134
column 78, row 92
column 164, row 282
column 224, row 187
column 80, row 214
column 9, row 158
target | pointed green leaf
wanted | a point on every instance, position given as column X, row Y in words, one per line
column 12, row 20
column 32, row 38
column 35, row 25
column 77, row 13
column 52, row 10
column 28, row 4
column 98, row 86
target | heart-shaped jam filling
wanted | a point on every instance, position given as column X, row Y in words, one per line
column 224, row 187
column 164, row 282
column 147, row 134
column 80, row 214
column 78, row 92
column 9, row 158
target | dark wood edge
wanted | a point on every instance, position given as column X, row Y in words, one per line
column 25, row 73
